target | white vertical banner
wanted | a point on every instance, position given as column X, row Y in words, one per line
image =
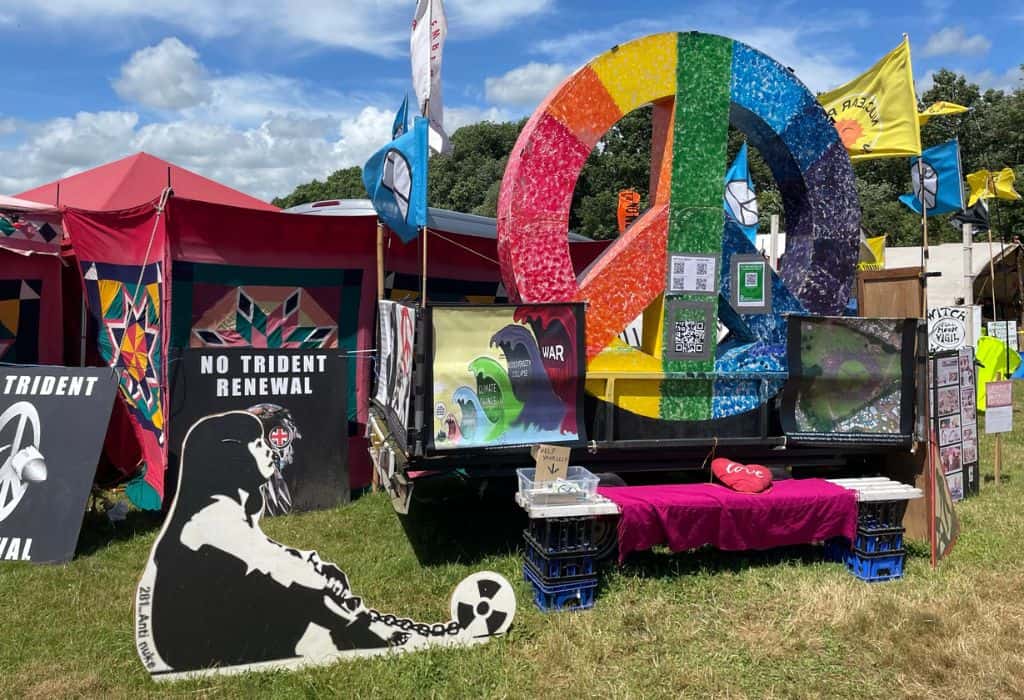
column 429, row 29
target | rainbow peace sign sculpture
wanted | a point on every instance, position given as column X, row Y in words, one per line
column 681, row 258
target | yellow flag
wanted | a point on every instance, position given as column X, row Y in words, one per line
column 876, row 113
column 986, row 185
column 939, row 109
column 872, row 253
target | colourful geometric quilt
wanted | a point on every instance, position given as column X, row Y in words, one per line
column 19, row 320
column 39, row 234
column 127, row 301
column 266, row 317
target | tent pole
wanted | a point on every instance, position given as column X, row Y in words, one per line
column 924, row 241
column 992, row 272
column 380, row 259
column 1006, row 321
column 423, row 291
column 82, row 334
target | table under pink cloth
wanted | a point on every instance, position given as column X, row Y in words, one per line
column 688, row 516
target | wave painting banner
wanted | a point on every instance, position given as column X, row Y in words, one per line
column 506, row 376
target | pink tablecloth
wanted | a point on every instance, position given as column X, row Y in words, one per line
column 688, row 516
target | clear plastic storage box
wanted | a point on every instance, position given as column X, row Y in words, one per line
column 579, row 486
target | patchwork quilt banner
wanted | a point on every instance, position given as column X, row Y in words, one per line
column 506, row 376
column 31, row 331
column 849, row 379
column 123, row 260
column 31, row 232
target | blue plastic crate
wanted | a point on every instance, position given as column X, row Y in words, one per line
column 881, row 539
column 837, row 549
column 881, row 514
column 575, row 595
column 883, row 566
column 557, row 565
column 565, row 535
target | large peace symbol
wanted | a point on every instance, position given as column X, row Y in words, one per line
column 700, row 84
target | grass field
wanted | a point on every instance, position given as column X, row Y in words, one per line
column 729, row 625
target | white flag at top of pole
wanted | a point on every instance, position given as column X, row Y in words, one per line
column 429, row 29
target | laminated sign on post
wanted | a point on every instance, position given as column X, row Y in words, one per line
column 999, row 407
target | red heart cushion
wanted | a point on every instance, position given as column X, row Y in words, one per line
column 745, row 478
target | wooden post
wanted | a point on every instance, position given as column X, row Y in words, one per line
column 997, row 467
column 380, row 259
column 374, row 476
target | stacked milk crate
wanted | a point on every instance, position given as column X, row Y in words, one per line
column 561, row 542
column 877, row 553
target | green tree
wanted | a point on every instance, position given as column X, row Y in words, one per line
column 621, row 160
column 468, row 179
column 341, row 184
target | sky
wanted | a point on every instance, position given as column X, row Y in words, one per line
column 264, row 95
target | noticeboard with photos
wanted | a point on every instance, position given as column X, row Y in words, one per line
column 955, row 416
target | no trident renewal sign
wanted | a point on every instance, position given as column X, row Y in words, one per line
column 52, row 424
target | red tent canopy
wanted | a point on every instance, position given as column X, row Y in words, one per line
column 136, row 180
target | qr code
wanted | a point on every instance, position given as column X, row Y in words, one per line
column 689, row 337
column 702, row 268
column 750, row 279
column 678, row 274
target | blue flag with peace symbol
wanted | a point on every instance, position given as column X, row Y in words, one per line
column 395, row 177
column 937, row 182
column 740, row 202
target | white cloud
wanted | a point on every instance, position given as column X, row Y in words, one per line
column 986, row 79
column 954, row 40
column 166, row 76
column 807, row 46
column 493, row 14
column 526, row 85
column 936, row 10
column 1006, row 81
column 580, row 46
column 171, row 79
column 378, row 27
column 456, row 117
column 67, row 145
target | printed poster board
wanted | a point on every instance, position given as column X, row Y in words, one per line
column 52, row 424
column 955, row 420
column 505, row 375
column 299, row 395
column 850, row 380
column 396, row 340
